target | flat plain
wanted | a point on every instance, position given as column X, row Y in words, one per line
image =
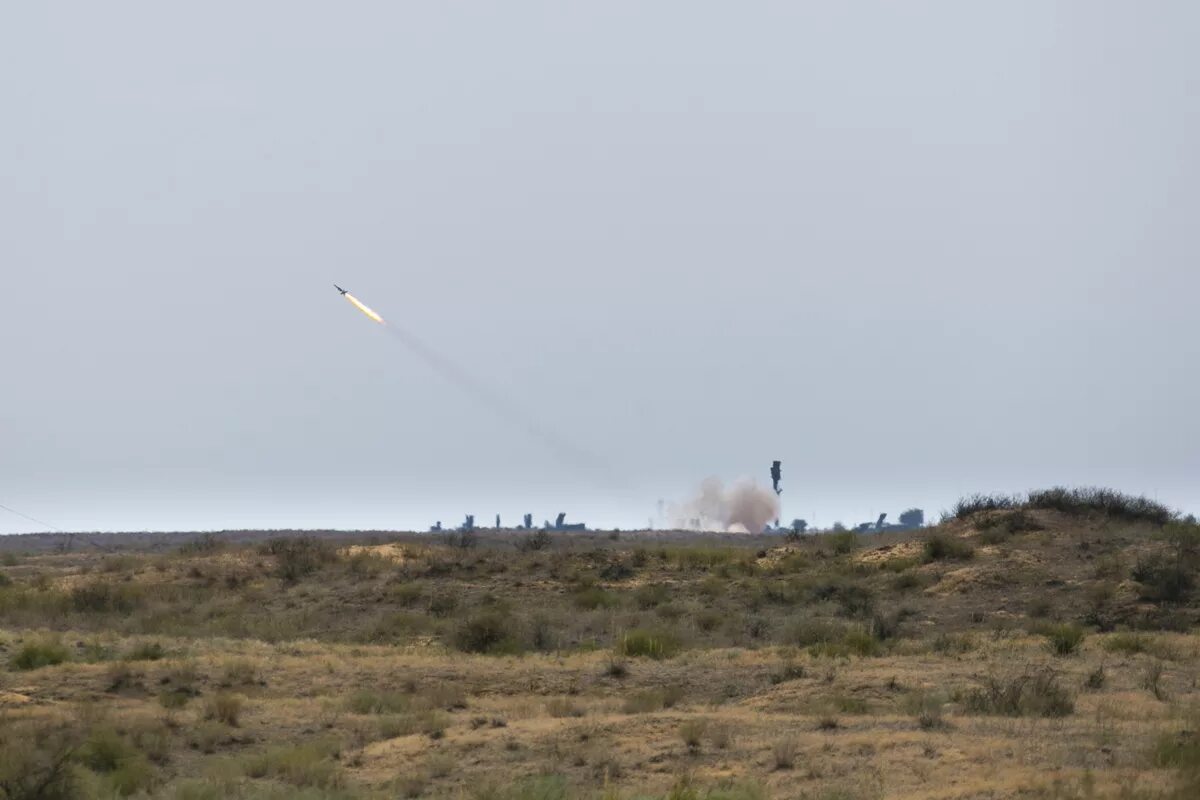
column 1040, row 648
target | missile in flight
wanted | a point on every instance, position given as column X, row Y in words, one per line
column 354, row 301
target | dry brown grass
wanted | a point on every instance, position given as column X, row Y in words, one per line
column 700, row 670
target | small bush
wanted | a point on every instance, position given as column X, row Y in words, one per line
column 224, row 707
column 535, row 542
column 651, row 595
column 105, row 750
column 121, row 677
column 489, row 632
column 1039, row 608
column 36, row 760
column 173, row 699
column 102, row 597
column 720, row 736
column 1064, row 640
column 841, row 543
column 783, row 754
column 299, row 557
column 310, row 765
column 1176, row 750
column 1106, row 502
column 1163, row 579
column 944, row 547
column 788, row 671
column 974, row 504
column 563, row 707
column 1033, row 693
column 1152, row 680
column 648, row 644
column 999, row 528
column 146, row 651
column 371, row 701
column 1127, row 643
column 808, row 632
column 593, row 597
column 39, row 653
column 692, row 733
column 239, row 672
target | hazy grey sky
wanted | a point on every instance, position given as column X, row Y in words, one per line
column 913, row 250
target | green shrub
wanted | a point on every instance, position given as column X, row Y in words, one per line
column 807, row 632
column 593, row 597
column 999, row 528
column 648, row 644
column 841, row 543
column 36, row 760
column 307, row 765
column 224, row 707
column 1032, row 693
column 1176, row 750
column 102, row 597
column 39, row 653
column 1107, row 502
column 908, row 580
column 855, row 599
column 692, row 733
column 122, row 768
column 783, row 753
column 490, row 632
column 969, row 506
column 1163, row 579
column 535, row 542
column 299, row 557
column 1064, row 640
column 541, row 787
column 651, row 595
column 372, row 701
column 1127, row 643
column 944, row 547
column 146, row 651
column 854, row 642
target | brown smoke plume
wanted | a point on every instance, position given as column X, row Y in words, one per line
column 743, row 507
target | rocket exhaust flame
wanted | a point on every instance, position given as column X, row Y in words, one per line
column 363, row 307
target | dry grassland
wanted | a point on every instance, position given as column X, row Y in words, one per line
column 994, row 656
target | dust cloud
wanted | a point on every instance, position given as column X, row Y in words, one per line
column 743, row 507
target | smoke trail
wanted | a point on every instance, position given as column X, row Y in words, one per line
column 32, row 519
column 501, row 405
column 498, row 403
column 743, row 507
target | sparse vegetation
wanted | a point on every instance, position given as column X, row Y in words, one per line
column 1103, row 502
column 945, row 547
column 37, row 653
column 1064, row 640
column 648, row 644
column 1031, row 693
column 380, row 668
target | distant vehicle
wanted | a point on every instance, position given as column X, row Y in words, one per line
column 340, row 289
